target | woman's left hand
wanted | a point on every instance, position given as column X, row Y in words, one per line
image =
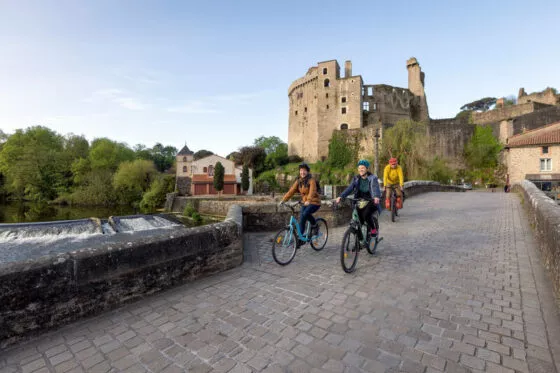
column 306, row 203
column 376, row 201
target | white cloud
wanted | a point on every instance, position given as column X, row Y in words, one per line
column 118, row 97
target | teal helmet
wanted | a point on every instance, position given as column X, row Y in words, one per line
column 363, row 162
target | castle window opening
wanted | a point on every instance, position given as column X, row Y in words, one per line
column 370, row 91
column 326, row 95
column 205, row 170
column 327, row 83
column 184, row 168
column 366, row 105
column 184, row 159
column 305, row 109
column 343, row 110
column 374, row 106
column 324, row 71
column 327, row 106
column 296, row 112
column 343, row 126
column 211, row 171
column 343, row 99
column 546, row 164
column 545, row 149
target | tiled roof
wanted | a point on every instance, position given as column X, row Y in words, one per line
column 185, row 151
column 546, row 135
column 204, row 178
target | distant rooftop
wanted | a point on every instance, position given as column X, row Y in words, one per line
column 185, row 151
column 546, row 135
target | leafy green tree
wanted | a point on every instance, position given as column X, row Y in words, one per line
column 201, row 154
column 132, row 179
column 31, row 161
column 245, row 178
column 340, row 153
column 269, row 144
column 481, row 153
column 254, row 157
column 163, row 156
column 278, row 157
column 142, row 152
column 484, row 104
column 108, row 154
column 408, row 142
column 439, row 171
column 219, row 177
column 96, row 189
column 155, row 196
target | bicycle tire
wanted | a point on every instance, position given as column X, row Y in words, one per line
column 393, row 208
column 349, row 245
column 318, row 244
column 284, row 252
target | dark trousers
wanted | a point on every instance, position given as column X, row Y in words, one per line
column 307, row 214
column 367, row 214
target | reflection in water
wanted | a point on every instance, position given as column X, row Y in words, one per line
column 16, row 212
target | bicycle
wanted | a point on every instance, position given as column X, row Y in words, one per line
column 356, row 237
column 285, row 242
column 393, row 204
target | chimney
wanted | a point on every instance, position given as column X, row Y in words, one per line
column 347, row 69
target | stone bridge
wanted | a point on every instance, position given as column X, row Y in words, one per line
column 456, row 286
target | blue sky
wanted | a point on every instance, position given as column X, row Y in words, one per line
column 215, row 74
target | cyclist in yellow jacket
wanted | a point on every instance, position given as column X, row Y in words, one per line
column 393, row 179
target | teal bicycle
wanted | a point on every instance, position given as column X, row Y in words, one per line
column 285, row 242
column 356, row 237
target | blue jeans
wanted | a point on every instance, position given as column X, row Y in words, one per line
column 306, row 214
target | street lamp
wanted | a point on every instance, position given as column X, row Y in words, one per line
column 376, row 151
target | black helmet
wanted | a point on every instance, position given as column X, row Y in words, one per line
column 304, row 165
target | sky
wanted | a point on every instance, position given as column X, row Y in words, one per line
column 215, row 74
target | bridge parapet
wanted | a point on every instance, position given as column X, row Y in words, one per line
column 544, row 217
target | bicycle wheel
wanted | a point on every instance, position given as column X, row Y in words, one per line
column 320, row 237
column 349, row 251
column 393, row 208
column 284, row 247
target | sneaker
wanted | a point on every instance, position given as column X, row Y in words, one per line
column 299, row 243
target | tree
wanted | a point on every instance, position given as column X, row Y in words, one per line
column 245, row 178
column 481, row 153
column 219, row 177
column 108, row 154
column 32, row 163
column 408, row 142
column 132, row 179
column 201, row 154
column 157, row 193
column 484, row 104
column 254, row 157
column 163, row 156
column 269, row 144
column 342, row 151
column 278, row 157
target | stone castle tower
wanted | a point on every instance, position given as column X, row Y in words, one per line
column 324, row 101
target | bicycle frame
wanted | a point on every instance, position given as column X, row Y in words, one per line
column 294, row 223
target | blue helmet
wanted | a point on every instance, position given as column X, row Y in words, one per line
column 363, row 162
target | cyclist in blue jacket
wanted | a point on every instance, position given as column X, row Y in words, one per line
column 365, row 185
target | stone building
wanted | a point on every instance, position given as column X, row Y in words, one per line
column 197, row 177
column 535, row 155
column 324, row 101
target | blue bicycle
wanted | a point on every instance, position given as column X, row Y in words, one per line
column 285, row 242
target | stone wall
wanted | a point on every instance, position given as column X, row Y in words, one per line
column 506, row 112
column 544, row 217
column 183, row 186
column 448, row 137
column 47, row 292
column 548, row 115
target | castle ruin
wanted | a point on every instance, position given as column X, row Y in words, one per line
column 322, row 101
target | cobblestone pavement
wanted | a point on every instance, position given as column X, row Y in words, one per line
column 456, row 286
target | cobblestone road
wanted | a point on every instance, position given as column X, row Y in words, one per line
column 456, row 286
